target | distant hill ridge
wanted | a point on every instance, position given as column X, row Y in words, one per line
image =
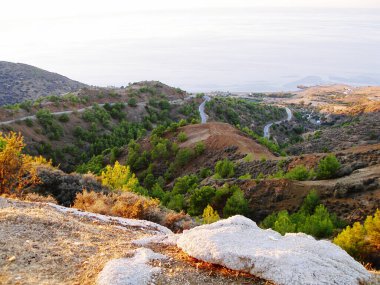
column 19, row 82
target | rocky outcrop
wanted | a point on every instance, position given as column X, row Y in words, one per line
column 239, row 244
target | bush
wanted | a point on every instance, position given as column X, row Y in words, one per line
column 248, row 157
column 185, row 184
column 17, row 170
column 29, row 122
column 119, row 177
column 210, row 215
column 199, row 148
column 205, row 172
column 235, row 205
column 328, row 167
column 94, row 165
column 246, row 176
column 64, row 118
column 183, row 156
column 225, row 168
column 132, row 102
column 312, row 219
column 200, row 199
column 176, row 202
column 300, row 172
column 182, row 137
column 362, row 241
column 127, row 205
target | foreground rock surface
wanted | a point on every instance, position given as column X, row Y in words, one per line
column 239, row 244
column 130, row 271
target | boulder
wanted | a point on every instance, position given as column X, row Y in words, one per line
column 239, row 244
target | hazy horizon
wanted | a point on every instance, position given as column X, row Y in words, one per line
column 198, row 46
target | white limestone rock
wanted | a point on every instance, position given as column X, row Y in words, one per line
column 130, row 271
column 239, row 244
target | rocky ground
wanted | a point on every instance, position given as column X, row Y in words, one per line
column 43, row 245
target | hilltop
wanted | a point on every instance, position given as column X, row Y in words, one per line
column 19, row 82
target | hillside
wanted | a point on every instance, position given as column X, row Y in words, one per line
column 141, row 152
column 19, row 82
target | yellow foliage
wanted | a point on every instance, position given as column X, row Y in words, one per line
column 360, row 240
column 17, row 170
column 119, row 177
column 210, row 215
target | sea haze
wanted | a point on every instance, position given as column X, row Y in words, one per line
column 201, row 49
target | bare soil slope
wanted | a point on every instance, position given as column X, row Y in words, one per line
column 218, row 136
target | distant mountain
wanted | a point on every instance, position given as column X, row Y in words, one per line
column 19, row 82
column 308, row 81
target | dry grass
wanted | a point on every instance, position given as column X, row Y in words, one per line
column 42, row 246
column 132, row 206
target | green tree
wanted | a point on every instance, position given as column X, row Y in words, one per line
column 185, row 184
column 300, row 172
column 225, row 168
column 182, row 137
column 235, row 205
column 328, row 167
column 200, row 199
column 176, row 202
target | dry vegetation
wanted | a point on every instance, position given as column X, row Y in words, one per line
column 132, row 206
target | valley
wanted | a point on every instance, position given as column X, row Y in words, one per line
column 175, row 154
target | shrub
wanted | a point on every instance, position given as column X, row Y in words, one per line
column 312, row 219
column 149, row 180
column 185, row 184
column 362, row 241
column 248, row 157
column 200, row 199
column 119, row 177
column 199, row 148
column 64, row 118
column 246, row 176
column 328, row 167
column 300, row 172
column 94, row 165
column 235, row 205
column 182, row 137
column 283, row 223
column 132, row 102
column 205, row 172
column 183, row 156
column 176, row 202
column 210, row 215
column 225, row 168
column 310, row 202
column 157, row 192
column 127, row 205
column 29, row 122
column 17, row 170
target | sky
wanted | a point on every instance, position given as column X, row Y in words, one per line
column 197, row 45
